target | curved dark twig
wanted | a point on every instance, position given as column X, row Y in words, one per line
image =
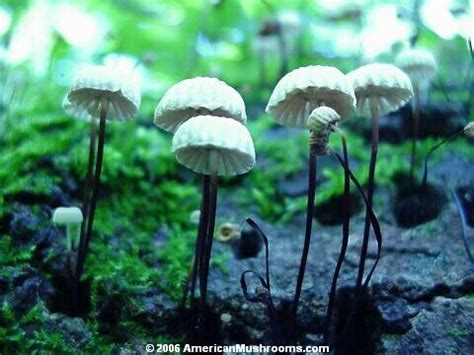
column 463, row 218
column 264, row 281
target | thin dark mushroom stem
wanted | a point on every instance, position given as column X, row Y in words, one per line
column 378, row 236
column 89, row 177
column 202, row 230
column 416, row 124
column 463, row 218
column 81, row 259
column 424, row 179
column 312, row 159
column 370, row 190
column 346, row 208
column 207, row 250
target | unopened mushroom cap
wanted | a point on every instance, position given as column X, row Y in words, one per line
column 118, row 89
column 303, row 89
column 214, row 145
column 67, row 215
column 388, row 85
column 419, row 64
column 469, row 130
column 320, row 119
column 198, row 96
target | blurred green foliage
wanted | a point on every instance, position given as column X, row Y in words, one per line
column 143, row 237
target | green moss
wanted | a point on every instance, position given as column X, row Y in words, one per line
column 458, row 333
column 11, row 256
column 13, row 335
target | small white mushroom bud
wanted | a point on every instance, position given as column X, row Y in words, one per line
column 321, row 122
column 194, row 217
column 72, row 218
column 469, row 130
column 227, row 232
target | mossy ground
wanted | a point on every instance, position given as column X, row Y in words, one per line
column 143, row 237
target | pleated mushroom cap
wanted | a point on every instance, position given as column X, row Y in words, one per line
column 67, row 215
column 302, row 90
column 95, row 84
column 214, row 145
column 388, row 85
column 320, row 119
column 76, row 111
column 419, row 64
column 198, row 96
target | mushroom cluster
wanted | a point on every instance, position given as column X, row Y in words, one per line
column 208, row 118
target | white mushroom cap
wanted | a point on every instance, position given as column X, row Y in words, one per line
column 74, row 110
column 419, row 64
column 118, row 89
column 214, row 145
column 67, row 215
column 469, row 130
column 303, row 89
column 320, row 119
column 198, row 96
column 389, row 86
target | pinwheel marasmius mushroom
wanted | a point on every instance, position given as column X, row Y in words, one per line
column 420, row 66
column 379, row 89
column 212, row 146
column 184, row 100
column 293, row 99
column 105, row 94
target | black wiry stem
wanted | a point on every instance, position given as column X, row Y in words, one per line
column 207, row 250
column 347, row 341
column 424, row 179
column 370, row 190
column 346, row 215
column 202, row 230
column 462, row 217
column 309, row 223
column 81, row 259
column 416, row 124
column 89, row 178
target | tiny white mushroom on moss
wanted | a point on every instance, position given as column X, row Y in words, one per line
column 198, row 96
column 72, row 218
